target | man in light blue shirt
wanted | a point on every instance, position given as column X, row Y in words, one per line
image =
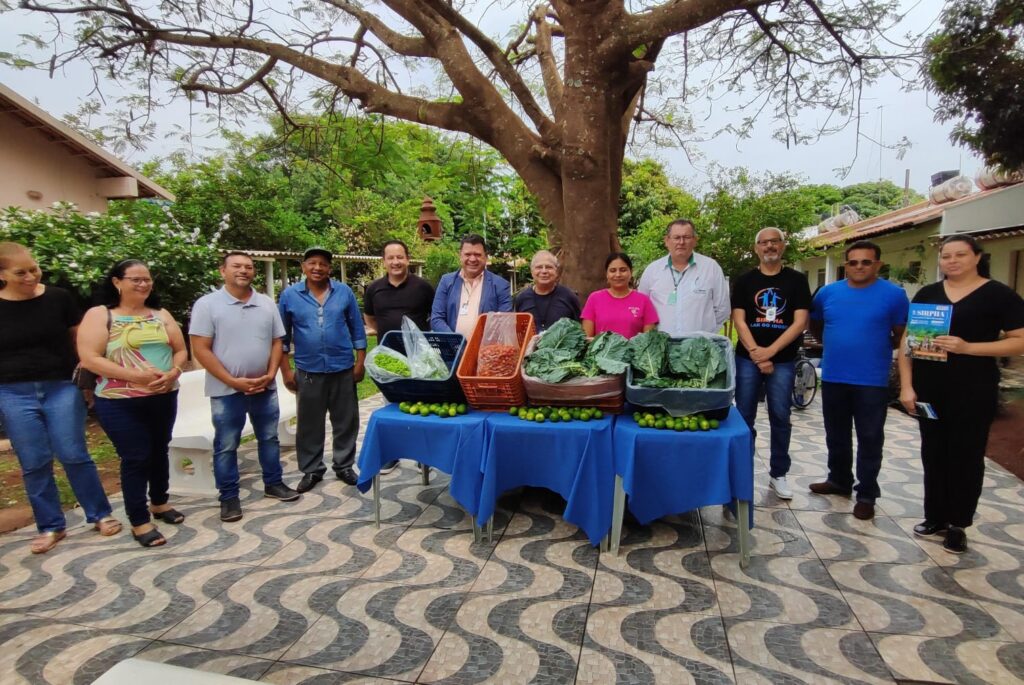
column 689, row 291
column 236, row 335
column 324, row 329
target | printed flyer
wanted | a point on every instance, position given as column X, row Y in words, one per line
column 925, row 323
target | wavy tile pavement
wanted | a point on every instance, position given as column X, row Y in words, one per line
column 312, row 592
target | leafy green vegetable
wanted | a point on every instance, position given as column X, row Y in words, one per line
column 564, row 334
column 609, row 353
column 553, row 366
column 700, row 360
column 648, row 352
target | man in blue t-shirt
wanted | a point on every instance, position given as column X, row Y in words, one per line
column 860, row 321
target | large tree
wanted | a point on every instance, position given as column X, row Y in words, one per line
column 556, row 97
column 976, row 65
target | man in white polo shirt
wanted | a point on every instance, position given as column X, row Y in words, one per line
column 236, row 335
column 689, row 290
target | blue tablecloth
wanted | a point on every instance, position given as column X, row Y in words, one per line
column 573, row 459
column 454, row 445
column 668, row 472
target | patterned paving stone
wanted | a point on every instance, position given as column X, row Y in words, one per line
column 313, row 592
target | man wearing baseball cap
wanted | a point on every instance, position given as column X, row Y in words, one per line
column 324, row 330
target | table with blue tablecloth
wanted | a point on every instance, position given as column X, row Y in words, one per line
column 454, row 445
column 668, row 472
column 573, row 459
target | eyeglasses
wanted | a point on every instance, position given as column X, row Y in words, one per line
column 859, row 262
column 681, row 238
column 769, row 241
column 135, row 280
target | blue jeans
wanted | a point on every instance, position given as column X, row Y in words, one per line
column 229, row 414
column 140, row 429
column 779, row 394
column 864, row 407
column 44, row 419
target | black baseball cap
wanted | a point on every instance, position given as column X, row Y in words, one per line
column 317, row 251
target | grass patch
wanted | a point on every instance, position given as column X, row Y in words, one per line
column 367, row 388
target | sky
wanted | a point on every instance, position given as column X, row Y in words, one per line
column 889, row 114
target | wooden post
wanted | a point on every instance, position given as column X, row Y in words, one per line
column 268, row 276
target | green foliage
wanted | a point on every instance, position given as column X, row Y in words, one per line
column 648, row 351
column 566, row 335
column 609, row 352
column 698, row 361
column 77, row 250
column 441, row 257
column 976, row 66
column 648, row 197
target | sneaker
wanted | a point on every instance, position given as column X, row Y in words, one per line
column 781, row 487
column 231, row 510
column 927, row 528
column 865, row 511
column 389, row 467
column 956, row 540
column 828, row 488
column 280, row 491
column 347, row 476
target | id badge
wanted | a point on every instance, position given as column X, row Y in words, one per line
column 672, row 297
column 770, row 313
column 464, row 309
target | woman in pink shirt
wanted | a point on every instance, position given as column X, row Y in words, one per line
column 618, row 308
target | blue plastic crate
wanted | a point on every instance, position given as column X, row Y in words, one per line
column 447, row 389
column 712, row 402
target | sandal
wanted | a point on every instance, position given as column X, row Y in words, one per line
column 107, row 526
column 44, row 542
column 172, row 516
column 151, row 538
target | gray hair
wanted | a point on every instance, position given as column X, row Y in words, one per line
column 782, row 234
column 680, row 222
column 541, row 254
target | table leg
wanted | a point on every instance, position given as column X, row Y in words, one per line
column 476, row 531
column 743, row 526
column 618, row 511
column 425, row 474
column 376, row 500
column 490, row 529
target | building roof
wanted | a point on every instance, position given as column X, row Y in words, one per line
column 105, row 163
column 897, row 220
column 271, row 255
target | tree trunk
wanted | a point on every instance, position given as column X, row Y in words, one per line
column 592, row 146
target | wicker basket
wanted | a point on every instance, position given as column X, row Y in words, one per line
column 603, row 392
column 494, row 392
column 447, row 389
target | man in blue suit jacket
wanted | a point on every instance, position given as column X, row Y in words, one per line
column 463, row 295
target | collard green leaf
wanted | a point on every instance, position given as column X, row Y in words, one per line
column 564, row 334
column 700, row 360
column 609, row 353
column 648, row 352
column 552, row 366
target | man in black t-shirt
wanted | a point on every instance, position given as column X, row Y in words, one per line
column 397, row 294
column 770, row 307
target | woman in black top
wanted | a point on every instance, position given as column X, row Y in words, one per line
column 963, row 390
column 546, row 299
column 42, row 411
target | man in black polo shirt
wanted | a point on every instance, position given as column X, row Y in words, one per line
column 397, row 294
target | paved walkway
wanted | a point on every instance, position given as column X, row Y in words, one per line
column 312, row 592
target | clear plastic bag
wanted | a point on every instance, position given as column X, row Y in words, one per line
column 385, row 365
column 499, row 346
column 425, row 360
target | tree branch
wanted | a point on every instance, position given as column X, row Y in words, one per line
column 670, row 19
column 409, row 46
column 549, row 69
column 192, row 83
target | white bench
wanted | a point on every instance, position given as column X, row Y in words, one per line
column 191, row 449
column 136, row 671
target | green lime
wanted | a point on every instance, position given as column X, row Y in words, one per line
column 461, row 408
column 713, row 423
column 452, row 411
column 598, row 414
column 704, row 425
column 540, row 418
column 513, row 411
column 424, row 411
column 555, row 418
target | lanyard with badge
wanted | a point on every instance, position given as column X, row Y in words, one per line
column 464, row 309
column 675, row 282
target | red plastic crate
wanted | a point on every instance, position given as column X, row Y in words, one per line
column 494, row 392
